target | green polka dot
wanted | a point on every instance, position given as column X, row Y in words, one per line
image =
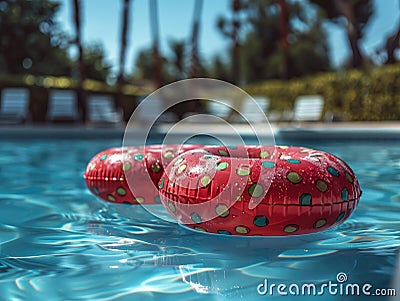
column 268, row 164
column 96, row 190
column 321, row 185
column 156, row 168
column 178, row 161
column 291, row 228
column 345, row 194
column 197, row 228
column 333, row 171
column 242, row 229
column 340, row 216
column 243, row 171
column 293, row 161
column 139, row 200
column 224, row 232
column 223, row 153
column 349, row 177
column 168, row 155
column 294, row 177
column 222, row 210
column 181, row 169
column 256, row 190
column 305, row 199
column 121, row 191
column 157, row 199
column 111, row 198
column 171, row 206
column 222, row 165
column 260, row 221
column 205, row 181
column 138, row 157
column 320, row 223
column 126, row 167
column 161, row 184
column 196, row 218
column 264, row 154
column 102, row 158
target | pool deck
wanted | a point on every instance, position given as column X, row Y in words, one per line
column 284, row 131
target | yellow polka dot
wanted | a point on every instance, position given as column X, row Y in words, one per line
column 349, row 177
column 256, row 190
column 127, row 166
column 139, row 200
column 222, row 210
column 264, row 154
column 243, row 171
column 199, row 229
column 121, row 191
column 294, row 177
column 205, row 181
column 283, row 147
column 321, row 185
column 242, row 229
column 169, row 154
column 291, row 228
column 111, row 198
column 320, row 223
column 181, row 169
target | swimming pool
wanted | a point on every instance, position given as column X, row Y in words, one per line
column 57, row 242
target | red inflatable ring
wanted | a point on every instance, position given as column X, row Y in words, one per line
column 252, row 190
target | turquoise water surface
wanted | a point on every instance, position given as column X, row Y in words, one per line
column 58, row 242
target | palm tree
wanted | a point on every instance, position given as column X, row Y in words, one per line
column 122, row 53
column 155, row 35
column 195, row 63
column 81, row 65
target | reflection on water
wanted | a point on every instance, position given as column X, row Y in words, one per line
column 58, row 241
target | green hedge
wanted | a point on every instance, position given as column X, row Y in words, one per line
column 356, row 95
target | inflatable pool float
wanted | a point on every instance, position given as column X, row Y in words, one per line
column 243, row 190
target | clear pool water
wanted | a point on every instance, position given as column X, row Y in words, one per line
column 57, row 242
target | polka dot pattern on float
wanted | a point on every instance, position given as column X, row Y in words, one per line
column 256, row 190
column 291, row 228
column 320, row 190
column 242, row 229
column 260, row 221
column 294, row 177
column 222, row 210
column 305, row 199
column 320, row 223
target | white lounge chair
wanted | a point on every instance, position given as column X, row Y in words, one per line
column 14, row 105
column 62, row 106
column 251, row 109
column 153, row 110
column 308, row 108
column 101, row 110
column 221, row 108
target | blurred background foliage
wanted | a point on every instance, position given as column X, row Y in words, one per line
column 275, row 47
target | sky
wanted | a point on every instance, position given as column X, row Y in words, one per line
column 102, row 18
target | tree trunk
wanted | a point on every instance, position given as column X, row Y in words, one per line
column 284, row 31
column 236, row 5
column 157, row 76
column 122, row 54
column 81, row 65
column 194, row 61
column 346, row 9
column 392, row 43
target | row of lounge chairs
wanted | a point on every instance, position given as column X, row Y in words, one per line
column 62, row 107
